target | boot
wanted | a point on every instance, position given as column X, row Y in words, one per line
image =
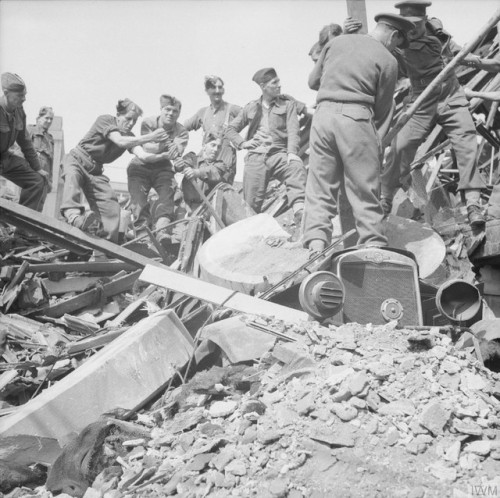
column 88, row 221
column 476, row 216
column 164, row 234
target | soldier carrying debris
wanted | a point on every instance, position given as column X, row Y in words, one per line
column 143, row 176
column 26, row 172
column 355, row 78
column 423, row 60
column 272, row 143
column 108, row 138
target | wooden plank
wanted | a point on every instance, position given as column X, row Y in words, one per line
column 74, row 284
column 124, row 374
column 219, row 296
column 357, row 10
column 82, row 267
column 88, row 298
column 95, row 341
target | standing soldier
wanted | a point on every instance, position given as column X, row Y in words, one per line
column 447, row 106
column 355, row 77
column 214, row 120
column 25, row 173
column 43, row 141
column 159, row 175
column 272, row 143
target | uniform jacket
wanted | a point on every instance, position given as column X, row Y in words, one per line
column 283, row 124
column 13, row 130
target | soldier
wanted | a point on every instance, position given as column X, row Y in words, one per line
column 142, row 176
column 205, row 169
column 325, row 35
column 43, row 141
column 214, row 120
column 447, row 106
column 355, row 77
column 26, row 172
column 272, row 144
column 83, row 169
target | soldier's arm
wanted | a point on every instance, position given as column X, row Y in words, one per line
column 315, row 76
column 384, row 103
column 27, row 148
column 292, row 128
column 490, row 65
column 193, row 123
column 235, row 126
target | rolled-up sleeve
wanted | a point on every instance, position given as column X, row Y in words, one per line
column 236, row 125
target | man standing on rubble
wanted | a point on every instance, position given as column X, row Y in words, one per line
column 26, row 172
column 272, row 144
column 43, row 141
column 355, row 78
column 143, row 176
column 447, row 106
column 214, row 120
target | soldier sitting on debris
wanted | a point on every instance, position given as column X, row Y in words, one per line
column 203, row 171
column 108, row 138
column 143, row 176
column 43, row 141
column 272, row 143
column 26, row 172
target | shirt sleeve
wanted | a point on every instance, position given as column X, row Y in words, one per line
column 384, row 103
column 236, row 125
column 194, row 122
column 106, row 124
column 292, row 127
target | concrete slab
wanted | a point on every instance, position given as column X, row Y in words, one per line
column 124, row 374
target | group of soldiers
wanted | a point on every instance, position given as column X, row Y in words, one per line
column 355, row 77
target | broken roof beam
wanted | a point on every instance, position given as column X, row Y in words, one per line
column 220, row 296
column 50, row 228
column 90, row 297
column 81, row 267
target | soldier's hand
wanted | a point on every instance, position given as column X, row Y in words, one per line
column 468, row 93
column 292, row 157
column 180, row 164
column 190, row 173
column 352, row 25
column 249, row 144
column 470, row 61
column 159, row 135
column 44, row 174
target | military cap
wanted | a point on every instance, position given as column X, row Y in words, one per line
column 12, row 83
column 402, row 24
column 264, row 75
column 413, row 7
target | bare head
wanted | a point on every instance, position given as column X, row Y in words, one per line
column 45, row 117
column 127, row 114
column 214, row 86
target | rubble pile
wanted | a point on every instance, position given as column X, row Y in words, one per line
column 342, row 411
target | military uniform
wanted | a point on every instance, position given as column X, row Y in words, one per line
column 23, row 171
column 355, row 77
column 270, row 160
column 208, row 175
column 43, row 142
column 447, row 106
column 159, row 176
column 215, row 122
column 83, row 171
